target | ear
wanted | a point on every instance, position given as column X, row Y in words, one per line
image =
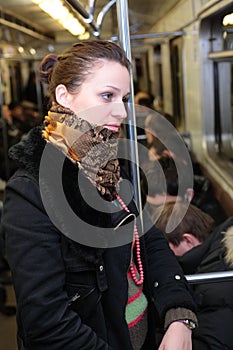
column 191, row 240
column 62, row 96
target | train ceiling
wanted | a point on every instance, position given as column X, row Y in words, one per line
column 23, row 22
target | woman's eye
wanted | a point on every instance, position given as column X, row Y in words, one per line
column 125, row 99
column 107, row 96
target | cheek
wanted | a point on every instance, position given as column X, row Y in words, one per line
column 96, row 114
column 178, row 250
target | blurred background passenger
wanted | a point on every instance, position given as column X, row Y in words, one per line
column 206, row 200
column 143, row 101
column 201, row 195
column 156, row 149
column 154, row 140
column 201, row 249
column 13, row 133
column 31, row 115
column 144, row 98
column 18, row 117
column 9, row 135
column 154, row 130
column 24, row 115
column 152, row 126
column 160, row 184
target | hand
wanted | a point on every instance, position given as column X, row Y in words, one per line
column 177, row 337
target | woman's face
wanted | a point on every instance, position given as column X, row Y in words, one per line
column 101, row 97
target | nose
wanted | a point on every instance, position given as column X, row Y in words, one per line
column 119, row 110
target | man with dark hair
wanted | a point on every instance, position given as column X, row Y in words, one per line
column 193, row 228
column 201, row 249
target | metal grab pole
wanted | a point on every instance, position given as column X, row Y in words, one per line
column 124, row 38
column 88, row 18
column 151, row 35
column 210, row 277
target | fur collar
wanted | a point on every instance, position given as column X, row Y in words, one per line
column 27, row 153
column 228, row 243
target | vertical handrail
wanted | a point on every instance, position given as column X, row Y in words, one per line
column 124, row 40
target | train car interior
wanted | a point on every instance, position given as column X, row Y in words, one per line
column 181, row 53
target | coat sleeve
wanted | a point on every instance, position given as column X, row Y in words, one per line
column 168, row 287
column 33, row 249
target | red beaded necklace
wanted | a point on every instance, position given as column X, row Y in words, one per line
column 136, row 244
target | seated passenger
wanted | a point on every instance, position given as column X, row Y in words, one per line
column 199, row 249
column 156, row 129
column 12, row 132
column 31, row 114
column 156, row 149
column 160, row 183
column 18, row 117
column 24, row 115
column 143, row 105
column 153, row 127
column 205, row 199
column 201, row 195
column 144, row 98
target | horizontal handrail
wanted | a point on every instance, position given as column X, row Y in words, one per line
column 210, row 277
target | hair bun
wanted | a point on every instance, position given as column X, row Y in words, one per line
column 46, row 67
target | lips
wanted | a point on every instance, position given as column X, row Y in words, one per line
column 114, row 127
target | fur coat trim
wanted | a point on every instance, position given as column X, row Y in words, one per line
column 228, row 242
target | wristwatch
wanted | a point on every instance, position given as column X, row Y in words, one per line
column 188, row 323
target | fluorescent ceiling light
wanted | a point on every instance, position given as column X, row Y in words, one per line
column 228, row 20
column 57, row 10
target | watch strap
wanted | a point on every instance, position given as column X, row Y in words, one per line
column 188, row 323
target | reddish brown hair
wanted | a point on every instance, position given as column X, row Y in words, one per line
column 73, row 66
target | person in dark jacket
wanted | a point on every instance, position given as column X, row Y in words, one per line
column 86, row 276
column 200, row 248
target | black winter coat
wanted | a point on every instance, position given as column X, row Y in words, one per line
column 214, row 300
column 71, row 296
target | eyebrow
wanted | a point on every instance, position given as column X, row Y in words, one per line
column 115, row 88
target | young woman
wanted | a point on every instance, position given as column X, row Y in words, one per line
column 83, row 277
